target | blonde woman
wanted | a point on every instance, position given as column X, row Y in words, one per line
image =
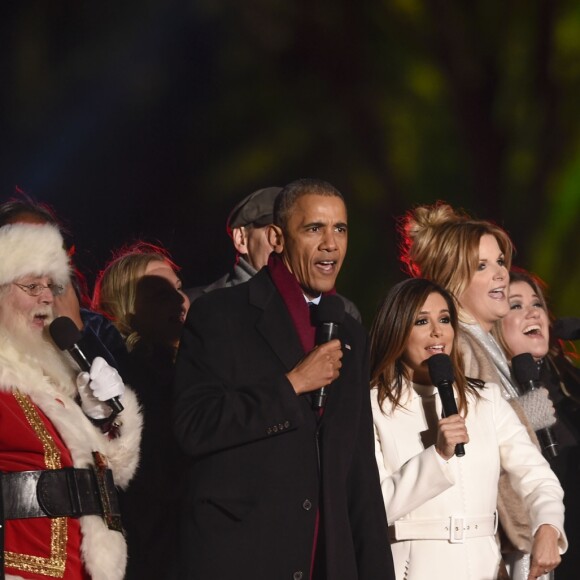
column 471, row 259
column 140, row 291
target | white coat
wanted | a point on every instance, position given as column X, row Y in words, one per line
column 418, row 485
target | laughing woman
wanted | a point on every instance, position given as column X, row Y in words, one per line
column 441, row 508
column 527, row 328
column 471, row 258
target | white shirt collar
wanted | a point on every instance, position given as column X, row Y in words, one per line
column 313, row 300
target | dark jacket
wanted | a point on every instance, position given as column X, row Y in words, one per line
column 151, row 504
column 254, row 485
column 241, row 273
column 562, row 379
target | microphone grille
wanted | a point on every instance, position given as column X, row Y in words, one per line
column 440, row 368
column 330, row 309
column 525, row 368
column 64, row 332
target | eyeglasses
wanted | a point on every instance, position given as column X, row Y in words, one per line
column 38, row 289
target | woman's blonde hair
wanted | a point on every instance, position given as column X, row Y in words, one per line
column 442, row 245
column 116, row 286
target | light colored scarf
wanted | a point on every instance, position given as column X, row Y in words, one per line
column 494, row 352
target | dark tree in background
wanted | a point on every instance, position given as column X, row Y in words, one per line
column 152, row 118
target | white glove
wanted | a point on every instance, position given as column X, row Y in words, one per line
column 101, row 384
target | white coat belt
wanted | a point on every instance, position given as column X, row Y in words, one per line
column 454, row 529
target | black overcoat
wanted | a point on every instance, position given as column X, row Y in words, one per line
column 254, row 482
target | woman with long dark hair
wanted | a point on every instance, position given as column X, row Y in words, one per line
column 441, row 508
column 471, row 258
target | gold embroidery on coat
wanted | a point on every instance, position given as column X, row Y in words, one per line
column 54, row 565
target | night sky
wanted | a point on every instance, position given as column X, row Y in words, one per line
column 151, row 119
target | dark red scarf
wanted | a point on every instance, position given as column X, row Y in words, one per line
column 293, row 297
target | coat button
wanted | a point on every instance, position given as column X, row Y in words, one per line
column 286, row 424
column 298, row 575
column 268, row 431
column 307, row 504
column 281, row 427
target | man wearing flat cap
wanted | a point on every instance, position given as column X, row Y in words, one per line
column 282, row 483
column 63, row 452
column 247, row 226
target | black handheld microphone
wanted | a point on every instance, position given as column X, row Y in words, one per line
column 329, row 316
column 67, row 336
column 527, row 375
column 442, row 376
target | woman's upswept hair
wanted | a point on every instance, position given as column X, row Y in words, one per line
column 442, row 245
column 389, row 336
column 116, row 286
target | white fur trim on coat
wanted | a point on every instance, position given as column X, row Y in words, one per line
column 32, row 249
column 104, row 551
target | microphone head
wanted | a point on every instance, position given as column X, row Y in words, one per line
column 440, row 369
column 64, row 332
column 525, row 368
column 330, row 309
column 567, row 328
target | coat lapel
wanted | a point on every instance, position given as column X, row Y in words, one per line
column 274, row 322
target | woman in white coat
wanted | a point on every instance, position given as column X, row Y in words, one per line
column 441, row 509
column 471, row 259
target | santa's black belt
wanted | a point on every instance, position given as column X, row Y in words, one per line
column 55, row 493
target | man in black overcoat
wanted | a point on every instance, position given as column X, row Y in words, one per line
column 279, row 489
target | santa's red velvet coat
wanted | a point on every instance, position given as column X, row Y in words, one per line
column 42, row 427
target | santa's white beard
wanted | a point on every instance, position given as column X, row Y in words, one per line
column 38, row 351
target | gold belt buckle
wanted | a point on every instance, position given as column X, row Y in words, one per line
column 100, row 469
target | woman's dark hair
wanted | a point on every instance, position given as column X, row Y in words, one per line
column 539, row 287
column 390, row 334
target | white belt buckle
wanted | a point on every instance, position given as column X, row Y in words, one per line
column 456, row 530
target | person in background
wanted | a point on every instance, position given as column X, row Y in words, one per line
column 63, row 452
column 139, row 290
column 441, row 508
column 471, row 259
column 527, row 328
column 99, row 335
column 278, row 488
column 248, row 225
